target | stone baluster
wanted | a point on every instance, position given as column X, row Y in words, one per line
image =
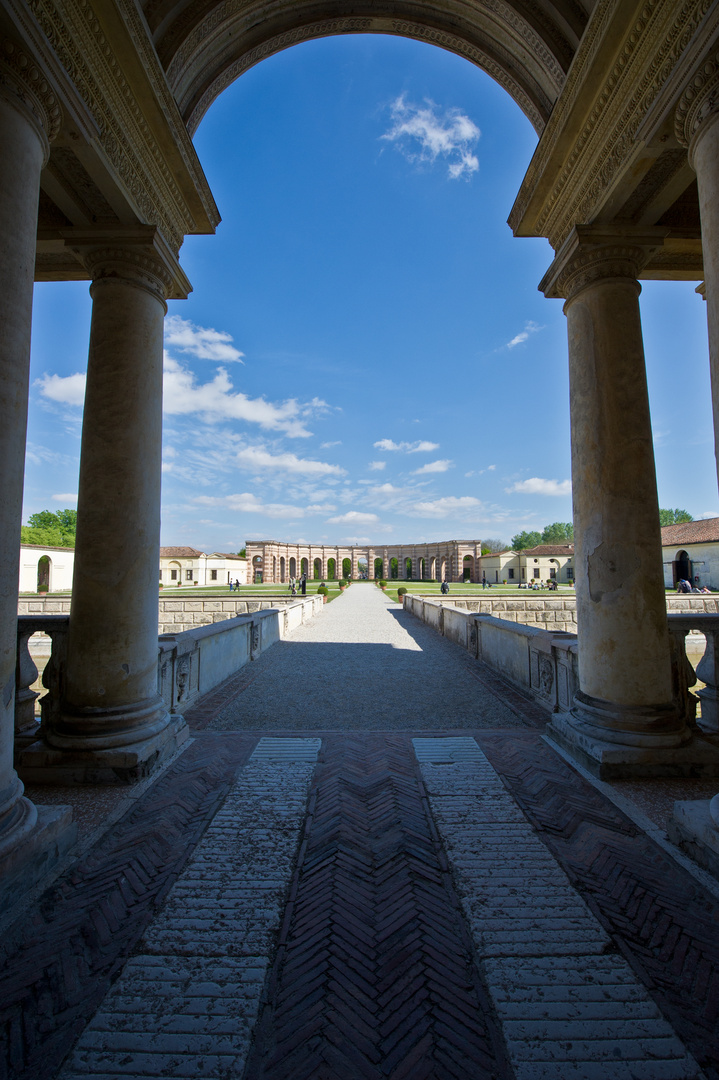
column 29, row 120
column 25, row 698
column 114, row 725
column 625, row 717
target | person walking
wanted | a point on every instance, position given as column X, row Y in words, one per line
column 304, row 584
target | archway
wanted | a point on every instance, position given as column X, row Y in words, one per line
column 43, row 573
column 257, row 570
column 317, row 568
column 394, row 569
column 332, row 569
column 362, row 567
column 293, row 567
column 304, row 567
column 408, row 569
column 468, row 568
column 682, row 567
column 347, row 569
column 378, row 568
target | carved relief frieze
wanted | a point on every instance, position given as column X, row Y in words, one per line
column 138, row 267
column 648, row 58
column 89, row 59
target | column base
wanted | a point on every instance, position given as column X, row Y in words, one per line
column 693, row 829
column 41, row 763
column 36, row 852
column 620, row 761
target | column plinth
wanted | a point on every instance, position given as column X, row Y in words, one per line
column 113, row 724
column 624, row 720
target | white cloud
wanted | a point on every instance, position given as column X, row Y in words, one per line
column 519, row 339
column 67, row 498
column 385, row 489
column 377, row 466
column 66, row 389
column 491, row 468
column 200, row 341
column 441, row 508
column 422, row 134
column 217, row 400
column 353, row 517
column 434, row 467
column 255, row 457
column 420, row 447
column 536, row 486
column 320, row 508
column 247, row 503
column 708, row 514
column 329, row 445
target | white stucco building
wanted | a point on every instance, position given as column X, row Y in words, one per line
column 691, row 551
column 45, row 569
column 189, row 566
column 546, row 562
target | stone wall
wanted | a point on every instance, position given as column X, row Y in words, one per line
column 558, row 612
column 180, row 613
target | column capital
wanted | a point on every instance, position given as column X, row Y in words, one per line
column 137, row 255
column 598, row 252
column 24, row 85
column 699, row 104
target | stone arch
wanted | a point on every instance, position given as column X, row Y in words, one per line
column 282, row 569
column 204, row 46
column 347, row 568
column 468, row 568
column 378, row 568
column 407, row 567
column 317, row 569
column 682, row 566
column 304, row 567
column 293, row 566
column 44, row 573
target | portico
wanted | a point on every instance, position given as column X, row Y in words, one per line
column 99, row 181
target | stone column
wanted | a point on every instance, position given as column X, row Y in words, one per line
column 29, row 119
column 697, row 127
column 113, row 724
column 624, row 719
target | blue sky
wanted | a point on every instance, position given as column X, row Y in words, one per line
column 365, row 356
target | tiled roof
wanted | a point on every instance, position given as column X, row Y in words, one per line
column 691, row 532
column 550, row 549
column 227, row 555
column 179, row 553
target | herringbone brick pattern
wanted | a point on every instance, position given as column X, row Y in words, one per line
column 58, row 963
column 374, row 977
column 665, row 924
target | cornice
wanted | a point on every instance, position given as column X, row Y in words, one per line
column 25, row 85
column 608, row 137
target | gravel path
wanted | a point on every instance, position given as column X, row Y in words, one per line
column 364, row 664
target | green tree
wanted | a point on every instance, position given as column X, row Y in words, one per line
column 242, row 553
column 489, row 547
column 54, row 529
column 674, row 517
column 525, row 540
column 560, row 532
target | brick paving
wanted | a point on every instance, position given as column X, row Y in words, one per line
column 261, row 918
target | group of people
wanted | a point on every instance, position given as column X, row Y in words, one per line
column 684, row 586
column 294, row 582
column 235, row 585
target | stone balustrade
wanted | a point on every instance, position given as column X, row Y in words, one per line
column 191, row 662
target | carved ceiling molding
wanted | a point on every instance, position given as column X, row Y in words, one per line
column 662, row 171
column 25, row 85
column 698, row 102
column 649, row 56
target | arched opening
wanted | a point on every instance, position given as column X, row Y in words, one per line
column 468, row 568
column 378, row 569
column 175, row 569
column 682, row 567
column 304, row 567
column 408, row 569
column 282, row 569
column 44, row 565
column 347, row 569
column 363, row 567
column 317, row 568
column 257, row 565
column 393, row 569
column 293, row 567
column 332, row 569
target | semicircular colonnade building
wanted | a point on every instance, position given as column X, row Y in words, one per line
column 100, row 181
column 275, row 562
